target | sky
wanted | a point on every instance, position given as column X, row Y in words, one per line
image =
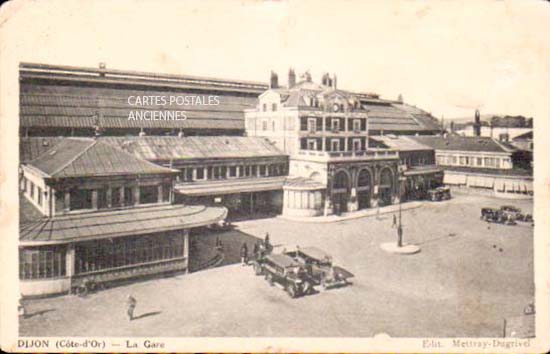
column 447, row 57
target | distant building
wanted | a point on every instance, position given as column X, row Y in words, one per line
column 92, row 212
column 480, row 162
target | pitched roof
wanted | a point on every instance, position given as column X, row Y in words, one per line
column 194, row 147
column 60, row 96
column 134, row 221
column 401, row 143
column 32, row 147
column 463, row 143
column 81, row 157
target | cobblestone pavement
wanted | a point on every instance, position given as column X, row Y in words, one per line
column 468, row 276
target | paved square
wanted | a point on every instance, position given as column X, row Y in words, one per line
column 468, row 276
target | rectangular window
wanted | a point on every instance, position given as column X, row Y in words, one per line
column 357, row 145
column 189, row 174
column 262, row 170
column 356, row 125
column 232, row 171
column 312, row 125
column 312, row 144
column 129, row 196
column 200, row 173
column 166, row 188
column 45, row 262
column 81, row 199
column 335, row 124
column 274, row 107
column 102, row 198
column 32, row 190
column 39, row 195
column 479, row 161
column 115, row 197
column 335, row 145
column 264, row 107
column 264, row 125
column 148, row 194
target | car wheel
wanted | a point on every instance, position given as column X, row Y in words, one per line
column 291, row 291
column 257, row 269
column 269, row 279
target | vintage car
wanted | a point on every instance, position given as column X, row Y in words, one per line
column 284, row 270
column 496, row 216
column 320, row 268
column 516, row 213
column 439, row 193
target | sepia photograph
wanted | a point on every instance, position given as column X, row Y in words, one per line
column 274, row 176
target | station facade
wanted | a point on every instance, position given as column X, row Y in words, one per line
column 324, row 130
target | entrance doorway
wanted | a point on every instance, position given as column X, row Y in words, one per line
column 364, row 183
column 386, row 187
column 340, row 192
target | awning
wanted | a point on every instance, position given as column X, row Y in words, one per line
column 451, row 178
column 415, row 171
column 230, row 186
column 108, row 224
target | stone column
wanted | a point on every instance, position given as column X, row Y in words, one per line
column 136, row 195
column 94, row 199
column 186, row 249
column 109, row 197
column 159, row 192
column 194, row 174
column 328, row 208
column 70, row 264
column 67, row 201
column 353, row 204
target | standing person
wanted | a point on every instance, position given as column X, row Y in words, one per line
column 394, row 221
column 256, row 250
column 266, row 242
column 244, row 254
column 131, row 306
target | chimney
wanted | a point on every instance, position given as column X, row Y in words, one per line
column 324, row 80
column 274, row 82
column 477, row 124
column 291, row 78
column 102, row 67
column 334, row 82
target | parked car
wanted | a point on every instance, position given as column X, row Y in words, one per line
column 516, row 213
column 439, row 193
column 320, row 268
column 288, row 273
column 496, row 216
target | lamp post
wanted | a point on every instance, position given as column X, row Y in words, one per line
column 400, row 225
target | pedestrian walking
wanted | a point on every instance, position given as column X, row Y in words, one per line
column 130, row 307
column 256, row 250
column 244, row 254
